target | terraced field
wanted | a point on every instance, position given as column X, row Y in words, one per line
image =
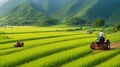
column 46, row 47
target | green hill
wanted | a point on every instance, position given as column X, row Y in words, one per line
column 104, row 9
column 24, row 14
column 29, row 12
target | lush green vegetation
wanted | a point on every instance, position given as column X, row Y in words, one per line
column 92, row 60
column 117, row 27
column 75, row 21
column 113, row 62
column 58, row 33
column 99, row 23
column 48, row 47
column 25, row 12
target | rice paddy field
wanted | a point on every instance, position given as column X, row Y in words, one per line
column 54, row 47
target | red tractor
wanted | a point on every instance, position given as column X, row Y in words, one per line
column 19, row 44
column 105, row 45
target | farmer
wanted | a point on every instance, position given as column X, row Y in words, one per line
column 101, row 38
column 101, row 34
column 18, row 43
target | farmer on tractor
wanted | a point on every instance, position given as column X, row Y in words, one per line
column 19, row 44
column 101, row 38
column 101, row 43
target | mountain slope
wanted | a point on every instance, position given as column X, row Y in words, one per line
column 28, row 12
column 103, row 9
column 114, row 18
column 24, row 14
column 49, row 6
column 75, row 8
column 9, row 6
column 91, row 10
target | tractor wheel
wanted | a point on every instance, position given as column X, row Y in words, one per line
column 107, row 45
column 92, row 45
column 22, row 45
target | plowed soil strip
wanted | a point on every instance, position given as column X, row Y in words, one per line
column 115, row 45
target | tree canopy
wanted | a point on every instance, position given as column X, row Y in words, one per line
column 99, row 22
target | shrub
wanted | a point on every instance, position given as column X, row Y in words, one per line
column 99, row 22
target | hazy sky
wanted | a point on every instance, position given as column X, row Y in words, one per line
column 2, row 2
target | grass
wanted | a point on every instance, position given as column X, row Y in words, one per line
column 113, row 62
column 41, row 42
column 92, row 60
column 46, row 47
column 34, row 53
column 29, row 36
column 59, row 58
column 7, row 44
column 20, row 29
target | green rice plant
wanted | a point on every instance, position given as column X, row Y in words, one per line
column 50, row 38
column 114, row 37
column 92, row 60
column 23, row 29
column 38, row 52
column 60, row 58
column 36, row 43
column 7, row 44
column 15, row 29
column 46, row 47
column 23, row 37
column 27, row 35
column 113, row 62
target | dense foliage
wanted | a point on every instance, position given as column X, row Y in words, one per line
column 99, row 23
column 30, row 12
column 46, row 47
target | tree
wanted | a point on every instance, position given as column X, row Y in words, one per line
column 75, row 21
column 99, row 22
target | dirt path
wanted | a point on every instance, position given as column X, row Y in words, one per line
column 115, row 45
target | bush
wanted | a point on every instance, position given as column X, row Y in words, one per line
column 99, row 22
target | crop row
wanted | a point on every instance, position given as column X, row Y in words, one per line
column 24, row 37
column 59, row 58
column 113, row 62
column 36, row 43
column 92, row 60
column 38, row 52
column 46, row 40
column 31, row 29
column 8, row 45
